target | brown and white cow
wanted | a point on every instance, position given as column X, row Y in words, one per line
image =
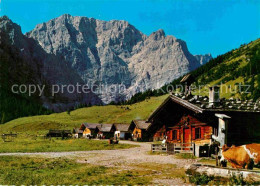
column 244, row 156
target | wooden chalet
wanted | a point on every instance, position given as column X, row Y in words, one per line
column 89, row 129
column 140, row 132
column 124, row 131
column 106, row 131
column 204, row 121
column 77, row 133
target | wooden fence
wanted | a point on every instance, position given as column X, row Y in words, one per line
column 159, row 148
column 184, row 148
column 173, row 148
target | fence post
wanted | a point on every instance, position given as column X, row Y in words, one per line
column 194, row 153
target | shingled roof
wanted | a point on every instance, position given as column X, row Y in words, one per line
column 200, row 104
column 122, row 127
column 141, row 124
column 91, row 125
column 77, row 131
column 105, row 127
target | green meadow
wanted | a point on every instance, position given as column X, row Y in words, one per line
column 31, row 130
column 39, row 125
column 60, row 171
column 39, row 144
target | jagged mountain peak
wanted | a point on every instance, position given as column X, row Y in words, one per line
column 203, row 59
column 158, row 35
column 115, row 52
column 7, row 25
column 30, row 64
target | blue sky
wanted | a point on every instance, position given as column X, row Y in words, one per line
column 208, row 26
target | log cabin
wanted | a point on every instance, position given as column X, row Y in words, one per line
column 89, row 129
column 77, row 133
column 106, row 131
column 202, row 121
column 124, row 131
column 140, row 132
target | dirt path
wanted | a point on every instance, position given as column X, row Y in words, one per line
column 120, row 158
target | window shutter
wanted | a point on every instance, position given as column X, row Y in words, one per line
column 193, row 133
column 202, row 132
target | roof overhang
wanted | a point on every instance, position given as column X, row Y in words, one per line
column 179, row 101
column 187, row 104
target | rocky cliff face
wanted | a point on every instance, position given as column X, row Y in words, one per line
column 111, row 53
column 203, row 59
column 31, row 65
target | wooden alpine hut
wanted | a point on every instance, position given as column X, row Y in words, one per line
column 90, row 129
column 201, row 122
column 106, row 131
column 140, row 132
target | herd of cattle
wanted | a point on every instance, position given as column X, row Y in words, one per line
column 245, row 156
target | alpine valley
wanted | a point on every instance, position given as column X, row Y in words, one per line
column 102, row 54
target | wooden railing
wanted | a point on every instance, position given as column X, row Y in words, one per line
column 159, row 148
column 183, row 147
column 174, row 148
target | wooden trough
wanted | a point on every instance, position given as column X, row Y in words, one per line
column 210, row 170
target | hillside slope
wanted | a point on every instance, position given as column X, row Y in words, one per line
column 237, row 72
column 95, row 114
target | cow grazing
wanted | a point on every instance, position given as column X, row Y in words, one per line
column 244, row 156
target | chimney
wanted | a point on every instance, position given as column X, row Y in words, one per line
column 221, row 134
column 187, row 81
column 214, row 95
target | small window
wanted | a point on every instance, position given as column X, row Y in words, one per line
column 197, row 133
column 174, row 134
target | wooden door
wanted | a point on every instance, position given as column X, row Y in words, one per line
column 186, row 137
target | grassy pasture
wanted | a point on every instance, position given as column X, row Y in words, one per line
column 61, row 171
column 39, row 125
column 39, row 144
